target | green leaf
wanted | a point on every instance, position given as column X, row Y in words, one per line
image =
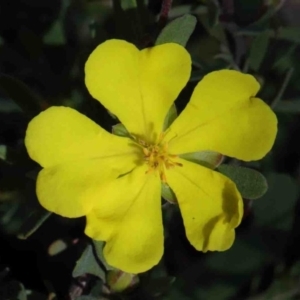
column 286, row 106
column 55, row 36
column 3, row 152
column 167, row 193
column 170, row 117
column 178, row 31
column 13, row 290
column 99, row 252
column 87, row 264
column 22, row 95
column 275, row 209
column 250, row 183
column 33, row 222
column 120, row 130
column 128, row 4
column 289, row 33
column 207, row 159
column 258, row 50
column 213, row 12
column 159, row 286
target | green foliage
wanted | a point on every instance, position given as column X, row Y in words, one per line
column 170, row 117
column 23, row 96
column 275, row 209
column 167, row 193
column 258, row 50
column 88, row 264
column 178, row 31
column 250, row 183
column 207, row 159
column 120, row 130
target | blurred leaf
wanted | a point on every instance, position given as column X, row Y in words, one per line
column 57, row 247
column 275, row 208
column 284, row 61
column 250, row 183
column 218, row 64
column 22, row 95
column 99, row 252
column 170, row 117
column 178, row 31
column 159, row 286
column 213, row 12
column 127, row 4
column 120, row 130
column 208, row 159
column 3, row 151
column 167, row 193
column 263, row 21
column 87, row 264
column 33, row 222
column 289, row 33
column 34, row 295
column 55, row 36
column 258, row 50
column 13, row 290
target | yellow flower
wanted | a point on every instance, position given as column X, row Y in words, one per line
column 116, row 181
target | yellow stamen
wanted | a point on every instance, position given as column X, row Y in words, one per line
column 157, row 157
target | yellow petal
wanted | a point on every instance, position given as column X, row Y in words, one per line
column 128, row 217
column 210, row 204
column 223, row 116
column 61, row 134
column 72, row 189
column 137, row 86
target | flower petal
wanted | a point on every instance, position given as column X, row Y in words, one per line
column 223, row 116
column 128, row 217
column 72, row 189
column 61, row 134
column 210, row 204
column 137, row 86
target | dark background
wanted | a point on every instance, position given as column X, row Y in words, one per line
column 43, row 48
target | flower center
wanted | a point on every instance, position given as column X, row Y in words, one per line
column 158, row 158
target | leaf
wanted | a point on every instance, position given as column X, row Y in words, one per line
column 289, row 33
column 55, row 36
column 3, row 152
column 213, row 12
column 120, row 130
column 207, row 159
column 22, row 95
column 167, row 193
column 87, row 263
column 178, row 31
column 158, row 286
column 286, row 106
column 99, row 252
column 128, row 4
column 33, row 222
column 170, row 117
column 264, row 20
column 250, row 183
column 275, row 208
column 258, row 50
column 13, row 290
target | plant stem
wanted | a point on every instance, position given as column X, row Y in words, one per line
column 164, row 12
column 283, row 87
